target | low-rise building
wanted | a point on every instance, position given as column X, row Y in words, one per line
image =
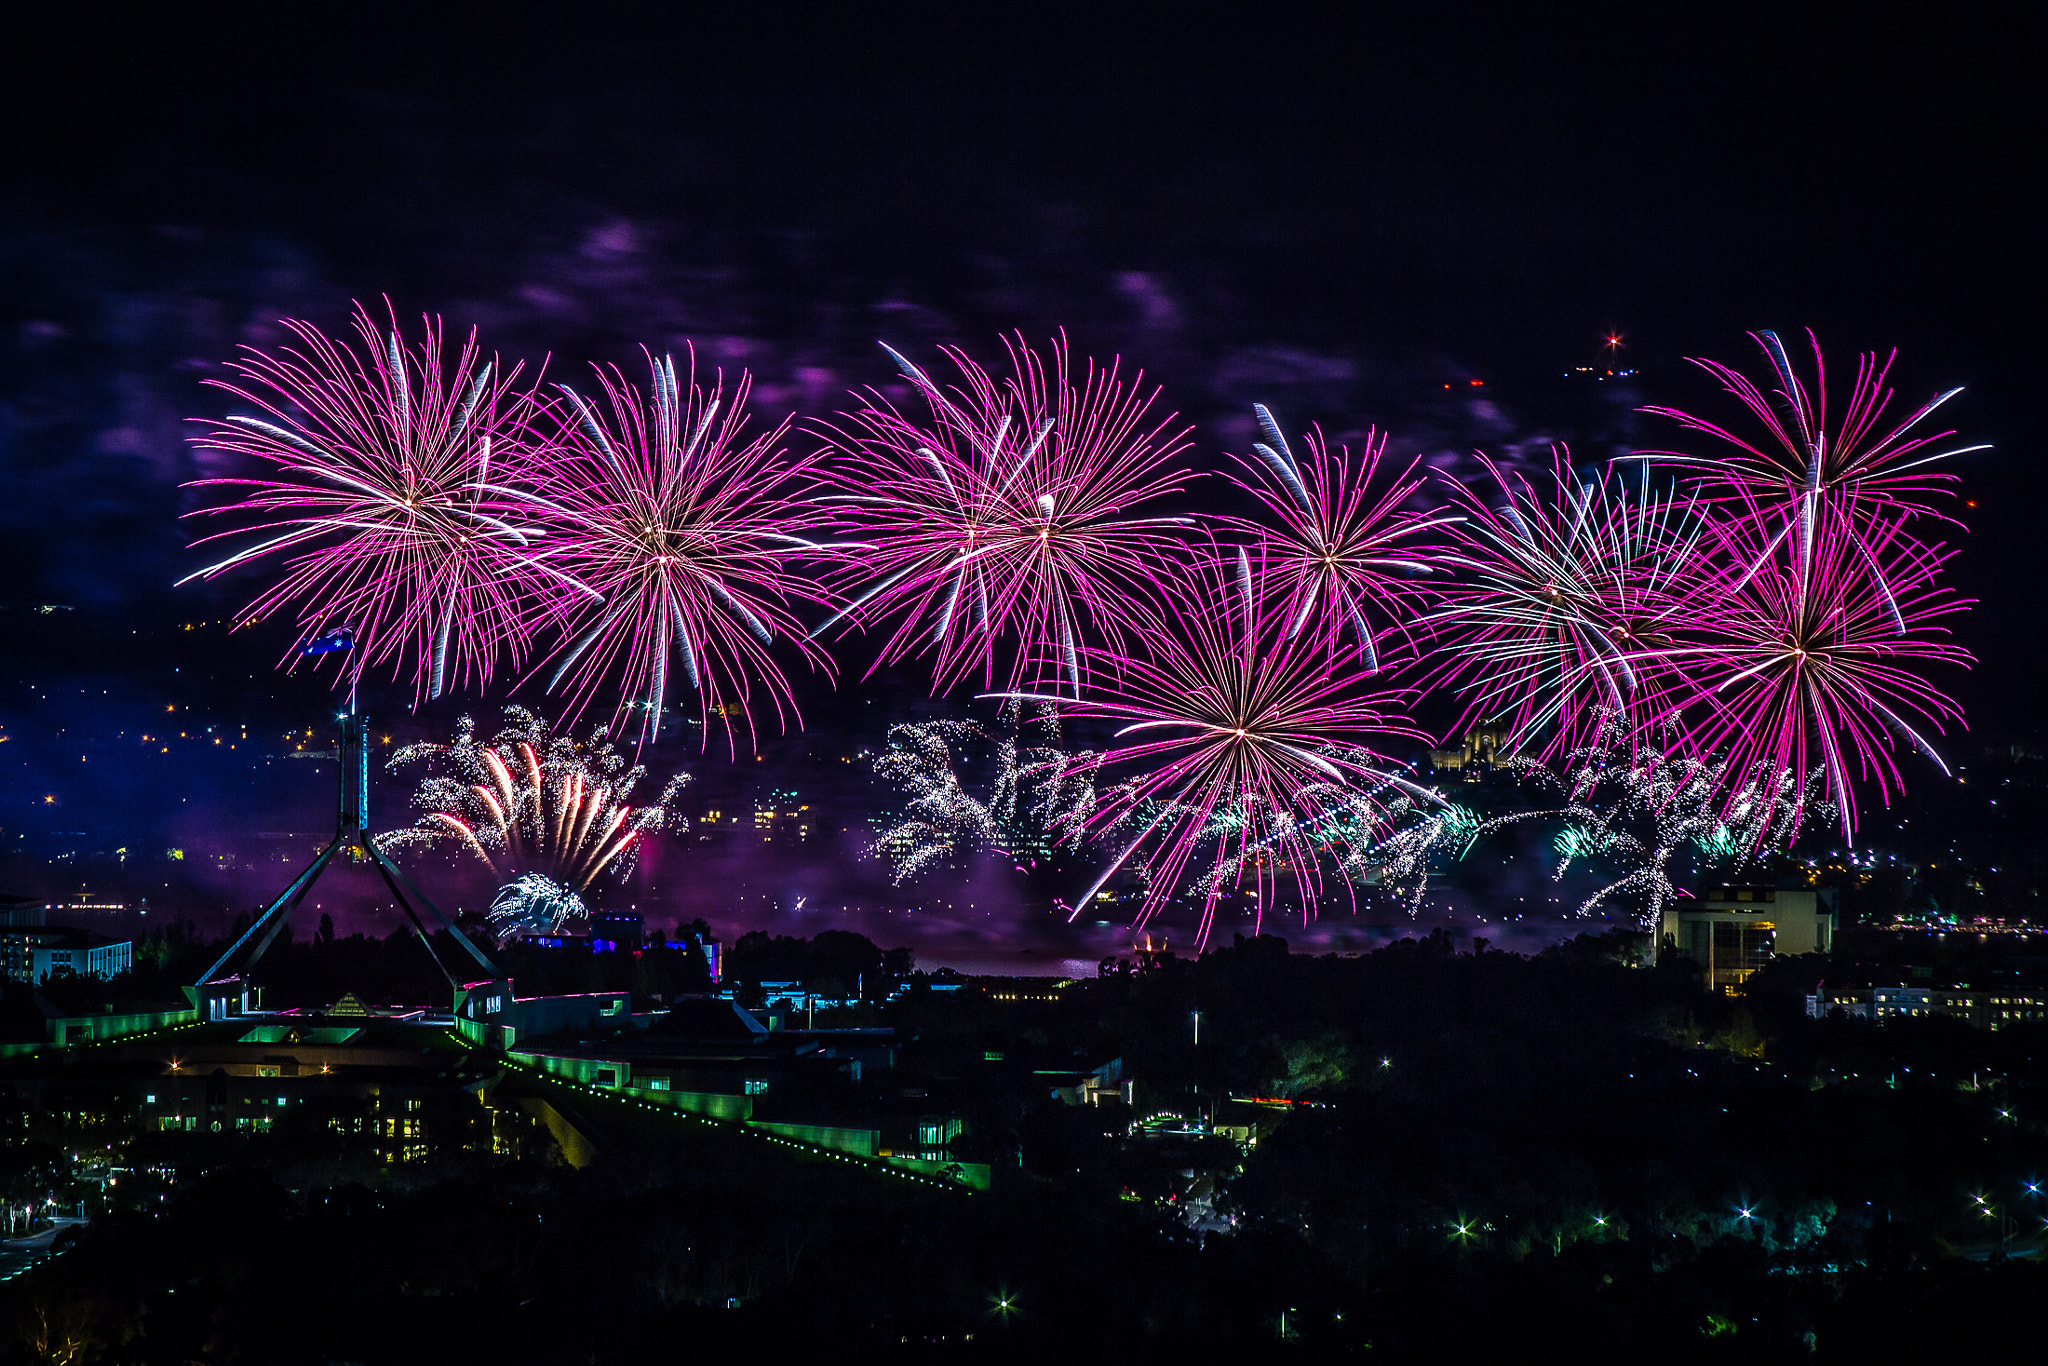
column 33, row 953
column 1996, row 1007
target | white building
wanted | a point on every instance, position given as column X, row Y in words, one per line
column 1732, row 931
column 31, row 953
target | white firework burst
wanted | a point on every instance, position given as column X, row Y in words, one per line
column 1036, row 795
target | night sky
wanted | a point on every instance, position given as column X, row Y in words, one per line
column 1329, row 216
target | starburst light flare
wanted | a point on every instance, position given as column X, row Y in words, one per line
column 689, row 538
column 387, row 499
column 1229, row 722
column 1341, row 547
column 530, row 803
column 1012, row 515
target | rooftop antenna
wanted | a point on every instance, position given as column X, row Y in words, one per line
column 352, row 835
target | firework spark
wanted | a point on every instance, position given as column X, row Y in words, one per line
column 1420, row 835
column 1008, row 515
column 532, row 804
column 1342, row 551
column 387, row 499
column 1037, row 792
column 534, row 904
column 687, row 537
column 1803, row 661
column 1801, row 454
column 1844, row 472
column 1638, row 809
column 1248, row 729
column 1559, row 596
column 1391, row 840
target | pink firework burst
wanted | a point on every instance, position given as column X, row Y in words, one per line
column 1800, row 451
column 1834, row 467
column 1341, row 549
column 684, row 538
column 1240, row 738
column 1785, row 661
column 1561, row 590
column 387, row 498
column 1010, row 513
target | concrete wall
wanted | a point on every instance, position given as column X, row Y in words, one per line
column 859, row 1142
column 583, row 1071
column 974, row 1175
column 710, row 1104
column 81, row 1029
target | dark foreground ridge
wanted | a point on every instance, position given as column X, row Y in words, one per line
column 1415, row 1154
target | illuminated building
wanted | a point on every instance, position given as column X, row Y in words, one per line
column 780, row 818
column 1993, row 1008
column 31, row 953
column 1484, row 747
column 365, row 1090
column 610, row 930
column 1732, row 931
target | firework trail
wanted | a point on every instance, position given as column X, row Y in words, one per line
column 1009, row 512
column 1337, row 546
column 1844, row 472
column 388, row 499
column 687, row 537
column 1639, row 808
column 1234, row 724
column 1783, row 666
column 546, row 814
column 1036, row 792
column 1562, row 597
